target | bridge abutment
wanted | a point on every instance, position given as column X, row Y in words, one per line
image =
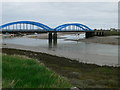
column 89, row 34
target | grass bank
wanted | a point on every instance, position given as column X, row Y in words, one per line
column 112, row 33
column 80, row 74
column 22, row 72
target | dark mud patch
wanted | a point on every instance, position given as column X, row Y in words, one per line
column 81, row 75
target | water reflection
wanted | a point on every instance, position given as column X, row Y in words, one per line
column 52, row 43
column 81, row 51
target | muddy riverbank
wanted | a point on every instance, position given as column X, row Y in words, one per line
column 80, row 74
column 82, row 52
column 113, row 40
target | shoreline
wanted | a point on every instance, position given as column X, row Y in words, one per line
column 96, row 58
column 80, row 74
column 112, row 40
column 92, row 58
column 102, row 40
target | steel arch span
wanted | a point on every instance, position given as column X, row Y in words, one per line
column 81, row 26
column 43, row 26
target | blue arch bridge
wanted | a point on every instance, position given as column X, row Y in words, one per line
column 19, row 27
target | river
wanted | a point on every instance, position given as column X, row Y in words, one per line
column 100, row 54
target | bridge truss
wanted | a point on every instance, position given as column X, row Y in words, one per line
column 31, row 26
column 25, row 26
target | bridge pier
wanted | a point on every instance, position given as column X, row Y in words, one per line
column 50, row 43
column 50, row 35
column 102, row 33
column 99, row 33
column 89, row 34
column 52, row 39
column 55, row 39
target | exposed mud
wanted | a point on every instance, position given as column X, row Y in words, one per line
column 80, row 74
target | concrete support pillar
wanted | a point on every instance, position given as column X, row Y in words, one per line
column 50, row 43
column 50, row 35
column 89, row 34
column 50, row 40
column 55, row 39
column 97, row 33
column 102, row 33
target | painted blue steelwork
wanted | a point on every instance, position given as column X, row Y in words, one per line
column 83, row 27
column 45, row 27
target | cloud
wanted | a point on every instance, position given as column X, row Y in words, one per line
column 94, row 14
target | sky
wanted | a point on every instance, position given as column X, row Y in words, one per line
column 60, row 0
column 93, row 14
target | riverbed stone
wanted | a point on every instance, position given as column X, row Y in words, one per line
column 75, row 88
column 74, row 75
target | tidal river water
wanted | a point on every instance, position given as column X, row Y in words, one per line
column 100, row 54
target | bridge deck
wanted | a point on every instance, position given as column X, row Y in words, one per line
column 35, row 31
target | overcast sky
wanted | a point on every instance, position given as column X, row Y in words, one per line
column 92, row 14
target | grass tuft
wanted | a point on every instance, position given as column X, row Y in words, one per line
column 21, row 72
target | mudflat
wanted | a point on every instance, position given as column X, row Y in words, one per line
column 113, row 40
column 81, row 75
column 103, row 40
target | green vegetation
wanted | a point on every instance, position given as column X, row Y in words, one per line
column 23, row 72
column 110, row 33
column 80, row 74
